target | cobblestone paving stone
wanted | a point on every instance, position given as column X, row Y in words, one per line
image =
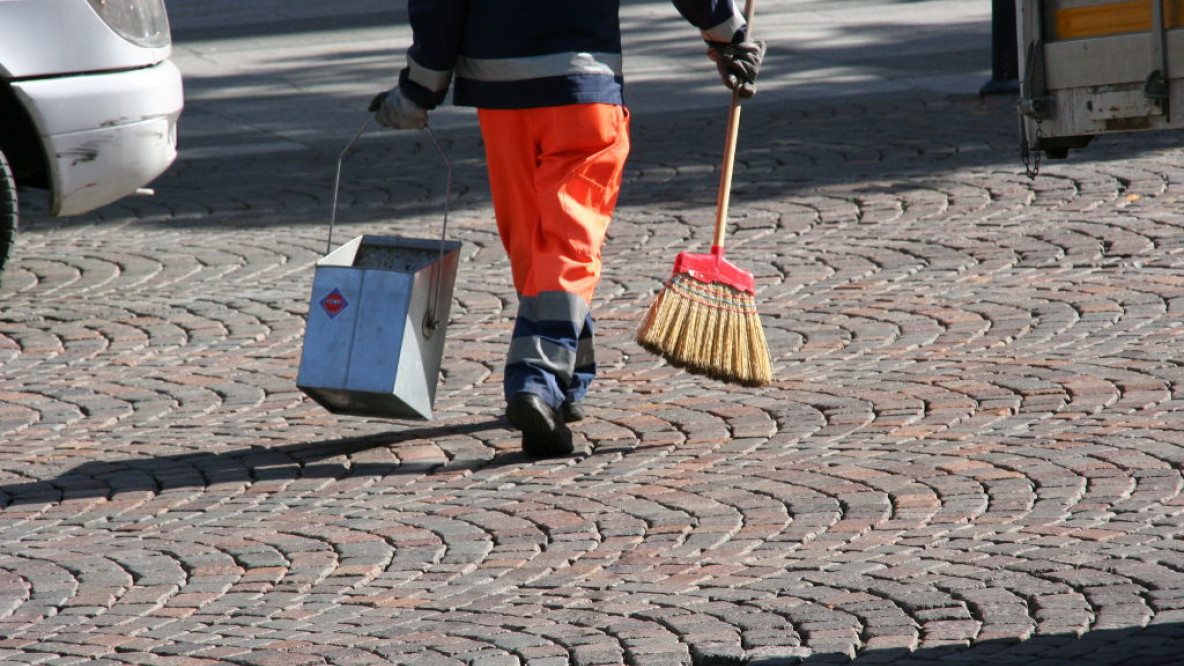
column 972, row 453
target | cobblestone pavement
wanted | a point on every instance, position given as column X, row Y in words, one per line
column 972, row 453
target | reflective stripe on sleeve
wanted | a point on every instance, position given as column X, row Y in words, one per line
column 435, row 80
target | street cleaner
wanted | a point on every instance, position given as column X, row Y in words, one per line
column 546, row 79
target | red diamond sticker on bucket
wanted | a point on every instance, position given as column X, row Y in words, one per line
column 334, row 303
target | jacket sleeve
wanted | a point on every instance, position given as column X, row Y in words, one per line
column 718, row 20
column 437, row 29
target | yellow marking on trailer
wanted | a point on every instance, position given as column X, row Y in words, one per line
column 1115, row 18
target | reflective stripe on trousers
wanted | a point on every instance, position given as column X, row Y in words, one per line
column 552, row 350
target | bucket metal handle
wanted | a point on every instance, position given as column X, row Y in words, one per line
column 430, row 323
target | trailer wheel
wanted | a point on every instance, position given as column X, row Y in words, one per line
column 8, row 211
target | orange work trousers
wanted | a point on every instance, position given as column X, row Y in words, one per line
column 555, row 173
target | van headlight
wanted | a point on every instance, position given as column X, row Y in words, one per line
column 141, row 22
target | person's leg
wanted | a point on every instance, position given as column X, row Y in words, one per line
column 583, row 372
column 540, row 368
column 580, row 165
column 511, row 157
column 545, row 345
column 581, row 161
column 584, row 190
column 555, row 174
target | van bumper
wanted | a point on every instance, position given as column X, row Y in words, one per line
column 105, row 135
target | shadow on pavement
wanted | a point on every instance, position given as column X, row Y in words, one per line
column 311, row 460
column 1158, row 645
column 785, row 151
column 804, row 130
column 183, row 32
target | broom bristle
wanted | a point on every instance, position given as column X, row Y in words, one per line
column 708, row 329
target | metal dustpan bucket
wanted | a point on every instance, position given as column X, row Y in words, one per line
column 376, row 324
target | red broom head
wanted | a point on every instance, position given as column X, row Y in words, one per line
column 705, row 320
column 709, row 268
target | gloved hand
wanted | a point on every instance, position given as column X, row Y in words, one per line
column 738, row 64
column 396, row 111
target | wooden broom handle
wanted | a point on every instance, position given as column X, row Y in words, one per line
column 725, row 175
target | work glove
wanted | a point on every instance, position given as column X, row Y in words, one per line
column 738, row 64
column 396, row 111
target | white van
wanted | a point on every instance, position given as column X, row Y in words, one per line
column 89, row 102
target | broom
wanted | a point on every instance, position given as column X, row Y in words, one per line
column 704, row 319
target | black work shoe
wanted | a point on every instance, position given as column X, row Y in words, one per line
column 544, row 435
column 571, row 412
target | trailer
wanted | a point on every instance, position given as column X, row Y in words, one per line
column 1090, row 67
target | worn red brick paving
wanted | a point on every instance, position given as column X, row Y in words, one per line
column 972, row 452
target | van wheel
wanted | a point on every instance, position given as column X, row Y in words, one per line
column 8, row 211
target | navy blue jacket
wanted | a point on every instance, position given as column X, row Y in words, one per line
column 515, row 54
